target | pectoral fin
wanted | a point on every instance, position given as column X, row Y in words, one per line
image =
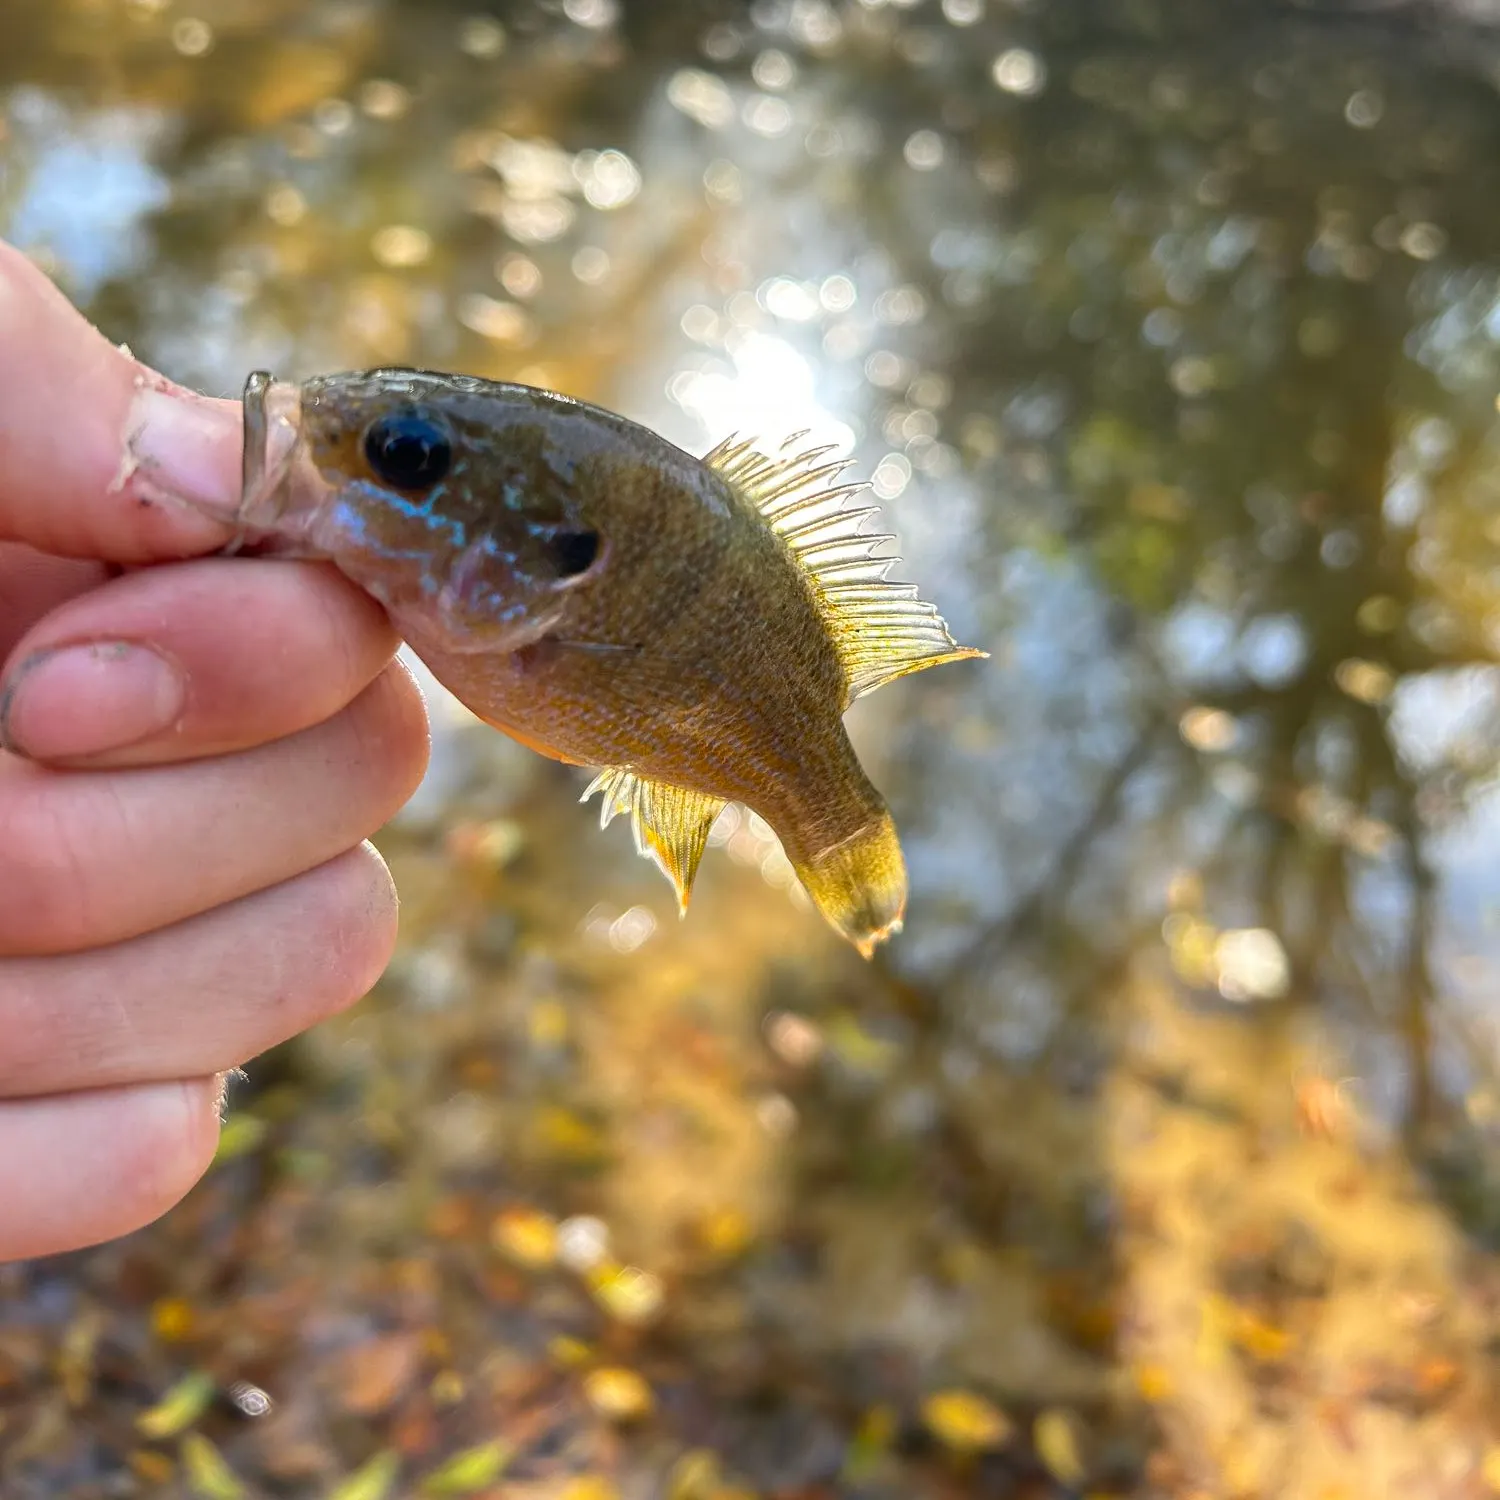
column 671, row 824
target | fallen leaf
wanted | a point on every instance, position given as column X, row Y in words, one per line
column 208, row 1475
column 179, row 1408
column 618, row 1393
column 471, row 1470
column 964, row 1421
column 371, row 1481
column 374, row 1375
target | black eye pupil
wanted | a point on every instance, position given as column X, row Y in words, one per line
column 574, row 551
column 408, row 450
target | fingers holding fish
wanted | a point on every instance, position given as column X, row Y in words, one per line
column 79, row 1168
column 171, row 664
column 103, row 458
column 95, row 857
column 204, row 995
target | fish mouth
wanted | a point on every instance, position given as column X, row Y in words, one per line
column 278, row 482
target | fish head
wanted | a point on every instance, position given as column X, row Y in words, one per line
column 442, row 495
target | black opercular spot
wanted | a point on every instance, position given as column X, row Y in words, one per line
column 409, row 450
column 574, row 551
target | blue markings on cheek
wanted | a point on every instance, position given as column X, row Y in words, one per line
column 409, row 555
column 362, row 516
column 495, row 600
column 495, row 609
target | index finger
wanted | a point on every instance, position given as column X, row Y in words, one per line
column 99, row 456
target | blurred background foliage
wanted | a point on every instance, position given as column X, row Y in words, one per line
column 1159, row 1156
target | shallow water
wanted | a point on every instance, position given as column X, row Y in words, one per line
column 1159, row 1155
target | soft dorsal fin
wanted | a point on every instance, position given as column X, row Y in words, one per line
column 670, row 823
column 882, row 630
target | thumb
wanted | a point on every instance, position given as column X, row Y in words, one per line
column 99, row 456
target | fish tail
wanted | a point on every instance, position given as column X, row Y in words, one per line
column 859, row 883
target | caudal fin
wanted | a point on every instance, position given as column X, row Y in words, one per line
column 859, row 884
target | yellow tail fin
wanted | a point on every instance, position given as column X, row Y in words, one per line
column 859, row 884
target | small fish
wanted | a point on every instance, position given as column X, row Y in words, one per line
column 695, row 627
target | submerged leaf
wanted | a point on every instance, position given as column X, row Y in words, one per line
column 375, row 1374
column 1056, row 1442
column 179, row 1408
column 471, row 1470
column 589, row 1487
column 372, row 1480
column 964, row 1421
column 208, row 1475
column 618, row 1393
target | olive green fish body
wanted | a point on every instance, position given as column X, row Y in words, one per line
column 695, row 626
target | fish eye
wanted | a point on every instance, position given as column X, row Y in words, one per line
column 409, row 450
column 573, row 551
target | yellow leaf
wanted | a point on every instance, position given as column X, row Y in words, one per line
column 569, row 1134
column 207, row 1474
column 725, row 1232
column 151, row 1467
column 471, row 1470
column 1490, row 1469
column 1262, row 1340
column 870, row 1443
column 179, row 1408
column 1057, row 1446
column 618, row 1393
column 525, row 1236
column 695, row 1476
column 372, row 1480
column 173, row 1320
column 588, row 1487
column 627, row 1293
column 964, row 1421
column 568, row 1352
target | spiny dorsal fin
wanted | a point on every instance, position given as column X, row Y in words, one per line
column 670, row 823
column 881, row 630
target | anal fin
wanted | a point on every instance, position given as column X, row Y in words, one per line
column 671, row 823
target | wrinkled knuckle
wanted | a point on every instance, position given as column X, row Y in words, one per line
column 36, row 1034
column 44, row 875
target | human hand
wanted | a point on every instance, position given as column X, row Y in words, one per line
column 190, row 758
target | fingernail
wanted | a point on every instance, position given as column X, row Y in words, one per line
column 78, row 701
column 187, row 448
